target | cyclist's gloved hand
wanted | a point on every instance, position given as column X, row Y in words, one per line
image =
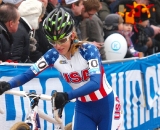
column 60, row 99
column 4, row 86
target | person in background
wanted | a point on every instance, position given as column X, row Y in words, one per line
column 91, row 7
column 150, row 30
column 74, row 7
column 153, row 24
column 114, row 24
column 51, row 5
column 31, row 12
column 96, row 102
column 15, row 2
column 81, row 10
column 141, row 39
column 157, row 12
column 43, row 45
column 105, row 10
column 9, row 20
column 92, row 30
column 127, row 33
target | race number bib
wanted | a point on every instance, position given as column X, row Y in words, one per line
column 94, row 66
column 40, row 65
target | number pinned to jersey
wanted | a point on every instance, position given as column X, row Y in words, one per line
column 40, row 65
column 93, row 66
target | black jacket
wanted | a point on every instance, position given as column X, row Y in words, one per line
column 20, row 49
column 5, row 43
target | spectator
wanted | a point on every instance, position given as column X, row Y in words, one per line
column 51, row 5
column 15, row 2
column 80, row 10
column 91, row 7
column 9, row 20
column 31, row 12
column 114, row 24
column 92, row 30
column 45, row 2
column 150, row 30
column 79, row 13
column 105, row 10
column 74, row 8
column 157, row 7
column 128, row 32
column 42, row 43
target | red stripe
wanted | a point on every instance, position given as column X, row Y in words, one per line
column 102, row 90
column 83, row 99
column 93, row 96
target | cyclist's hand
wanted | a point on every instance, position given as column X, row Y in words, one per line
column 61, row 99
column 4, row 86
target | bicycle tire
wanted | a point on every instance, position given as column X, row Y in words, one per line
column 68, row 126
column 20, row 126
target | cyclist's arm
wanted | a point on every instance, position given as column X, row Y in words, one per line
column 45, row 61
column 91, row 54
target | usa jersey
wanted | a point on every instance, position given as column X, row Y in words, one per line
column 84, row 72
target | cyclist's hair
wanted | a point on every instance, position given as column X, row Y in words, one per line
column 8, row 12
column 91, row 5
column 75, row 43
column 58, row 24
column 70, row 5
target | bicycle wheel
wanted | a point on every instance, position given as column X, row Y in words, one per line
column 20, row 126
column 68, row 126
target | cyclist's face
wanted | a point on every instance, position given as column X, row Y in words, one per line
column 63, row 48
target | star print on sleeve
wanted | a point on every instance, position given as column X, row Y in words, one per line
column 89, row 51
column 51, row 56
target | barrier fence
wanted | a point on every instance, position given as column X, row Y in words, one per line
column 136, row 81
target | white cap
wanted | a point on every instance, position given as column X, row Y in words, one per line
column 70, row 1
column 12, row 1
column 31, row 10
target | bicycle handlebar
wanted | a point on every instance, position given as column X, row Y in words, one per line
column 42, row 97
column 23, row 94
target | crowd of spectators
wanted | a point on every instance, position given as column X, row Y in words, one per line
column 21, row 26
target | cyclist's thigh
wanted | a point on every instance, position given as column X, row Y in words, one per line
column 113, row 117
column 106, row 119
column 82, row 122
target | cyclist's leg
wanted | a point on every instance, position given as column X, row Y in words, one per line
column 113, row 117
column 82, row 122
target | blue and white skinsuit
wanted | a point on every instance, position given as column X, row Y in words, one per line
column 97, row 105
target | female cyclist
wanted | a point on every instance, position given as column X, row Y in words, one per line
column 97, row 106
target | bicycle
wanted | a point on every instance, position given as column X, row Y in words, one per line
column 32, row 122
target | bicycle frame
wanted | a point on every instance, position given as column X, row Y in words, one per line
column 34, row 114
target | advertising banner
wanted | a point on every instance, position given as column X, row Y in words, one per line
column 136, row 82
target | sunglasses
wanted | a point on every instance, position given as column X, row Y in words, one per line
column 61, row 41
